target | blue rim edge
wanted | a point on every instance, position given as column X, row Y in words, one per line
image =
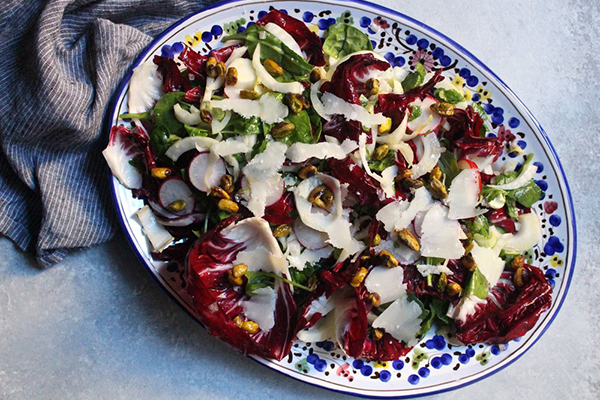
column 112, row 108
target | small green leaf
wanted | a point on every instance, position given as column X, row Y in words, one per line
column 143, row 116
column 196, row 131
column 414, row 79
column 257, row 280
column 295, row 67
column 477, row 285
column 343, row 39
column 479, row 226
column 449, row 166
column 415, row 113
column 448, row 96
column 302, row 132
column 529, row 194
column 380, row 165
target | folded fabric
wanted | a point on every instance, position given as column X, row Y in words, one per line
column 61, row 62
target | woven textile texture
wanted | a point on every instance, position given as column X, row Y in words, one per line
column 61, row 62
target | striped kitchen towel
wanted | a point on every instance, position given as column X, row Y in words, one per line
column 61, row 62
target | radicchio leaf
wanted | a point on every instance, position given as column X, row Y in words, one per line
column 308, row 41
column 218, row 302
column 173, row 79
column 465, row 135
column 361, row 185
column 508, row 312
column 348, row 80
column 341, row 129
column 279, row 212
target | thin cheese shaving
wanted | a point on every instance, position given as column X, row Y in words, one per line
column 299, row 152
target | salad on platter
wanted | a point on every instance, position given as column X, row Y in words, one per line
column 313, row 191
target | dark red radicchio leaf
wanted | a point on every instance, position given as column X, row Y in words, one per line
column 134, row 145
column 353, row 330
column 361, row 185
column 465, row 135
column 500, row 218
column 173, row 79
column 279, row 212
column 329, row 282
column 508, row 312
column 387, row 348
column 217, row 302
column 348, row 80
column 341, row 129
column 417, row 283
column 308, row 41
column 394, row 105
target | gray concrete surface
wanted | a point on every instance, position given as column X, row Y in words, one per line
column 98, row 327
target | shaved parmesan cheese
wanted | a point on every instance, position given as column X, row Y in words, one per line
column 299, row 152
column 323, row 330
column 262, row 252
column 307, row 256
column 270, row 82
column 528, row 235
column 401, row 320
column 191, row 117
column 246, row 78
column 333, row 223
column 263, row 177
column 403, row 254
column 189, row 143
column 258, row 306
column 230, row 146
column 427, row 269
column 488, row 262
column 463, row 196
column 334, row 105
column 440, row 235
column 158, row 236
column 399, row 214
column 285, row 37
column 467, row 306
column 431, row 154
column 386, row 282
column 267, row 108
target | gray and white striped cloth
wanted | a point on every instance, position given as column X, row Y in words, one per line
column 60, row 61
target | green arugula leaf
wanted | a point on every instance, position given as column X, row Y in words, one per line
column 449, row 166
column 380, row 165
column 302, row 132
column 527, row 195
column 196, row 131
column 415, row 113
column 257, row 280
column 448, row 95
column 440, row 307
column 477, row 107
column 343, row 39
column 143, row 116
column 239, row 125
column 295, row 67
column 414, row 79
column 479, row 226
column 160, row 140
column 477, row 285
column 260, row 279
column 164, row 116
column 511, row 208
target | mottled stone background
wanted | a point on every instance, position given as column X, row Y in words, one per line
column 97, row 326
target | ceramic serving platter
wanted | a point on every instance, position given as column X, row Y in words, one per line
column 435, row 364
